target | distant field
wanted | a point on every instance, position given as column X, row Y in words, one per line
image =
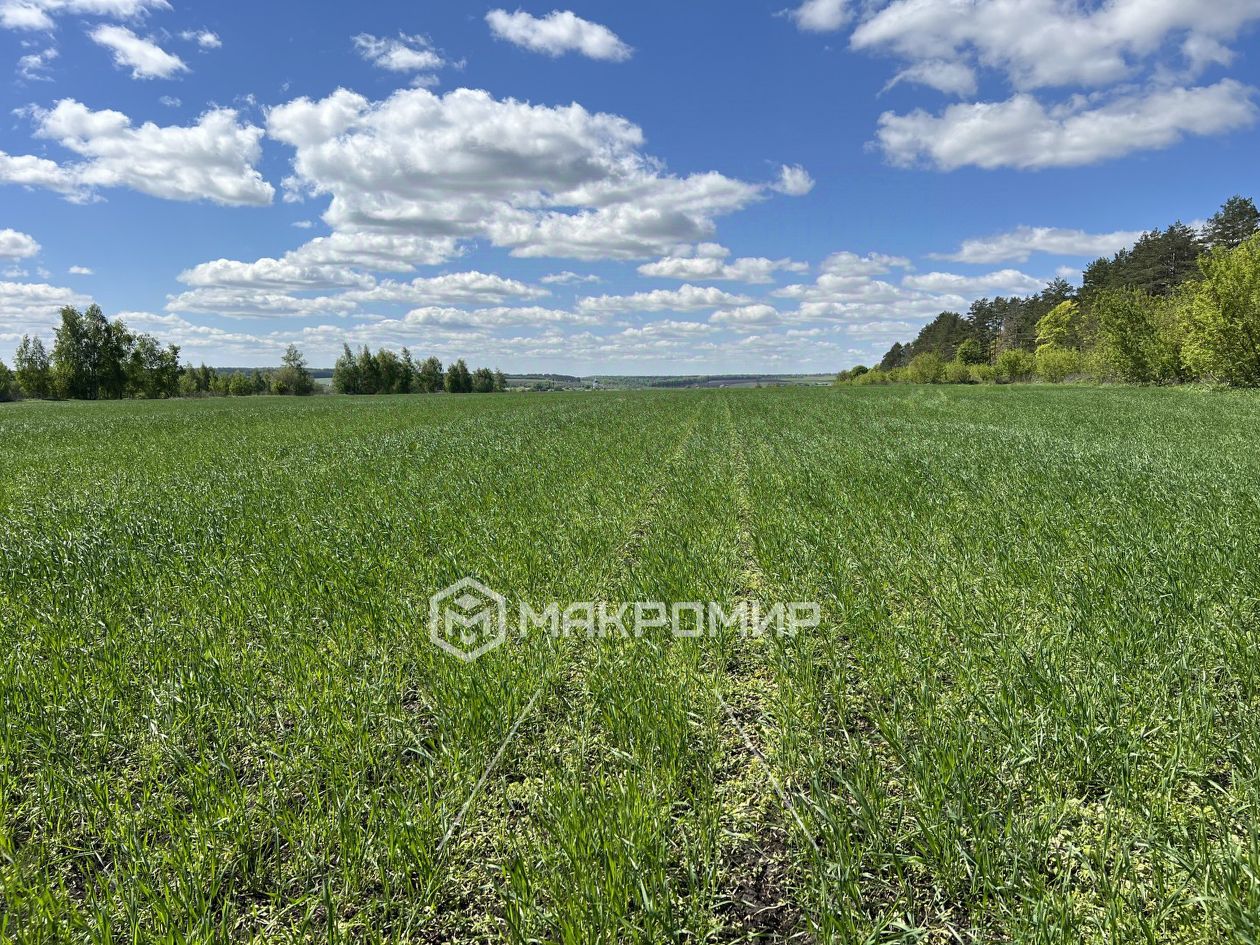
column 1031, row 712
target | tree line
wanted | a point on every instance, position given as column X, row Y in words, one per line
column 1182, row 305
column 94, row 358
column 388, row 373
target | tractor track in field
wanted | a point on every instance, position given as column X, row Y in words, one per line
column 759, row 815
column 556, row 696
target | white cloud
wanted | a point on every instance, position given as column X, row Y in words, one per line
column 540, row 181
column 496, row 317
column 211, row 160
column 404, row 54
column 387, row 252
column 33, row 306
column 821, row 16
column 29, row 171
column 210, row 343
column 145, row 58
column 794, row 181
column 569, row 278
column 1022, row 133
column 689, row 298
column 1203, row 51
column 170, row 101
column 872, row 264
column 283, row 275
column 15, row 245
column 1020, row 244
column 38, row 14
column 34, row 66
column 458, row 288
column 336, row 263
column 558, row 33
column 747, row 317
column 1040, row 43
column 1004, row 282
column 203, row 38
column 80, row 271
column 849, row 294
column 254, row 303
column 708, row 263
column 953, row 78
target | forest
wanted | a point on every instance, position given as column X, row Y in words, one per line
column 1182, row 305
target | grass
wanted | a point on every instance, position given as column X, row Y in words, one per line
column 1031, row 712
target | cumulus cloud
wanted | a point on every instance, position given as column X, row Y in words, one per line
column 953, row 78
column 255, row 303
column 385, row 252
column 1040, row 43
column 539, row 181
column 1003, row 282
column 558, row 33
column 80, row 271
column 794, row 181
column 1023, row 133
column 1135, row 60
column 211, row 160
column 145, row 58
column 821, row 16
column 203, row 38
column 29, row 171
column 285, row 285
column 15, row 245
column 33, row 306
column 569, row 278
column 872, row 264
column 496, row 317
column 708, row 263
column 1021, row 243
column 747, row 317
column 457, row 288
column 38, row 14
column 283, row 275
column 689, row 298
column 402, row 54
column 850, row 294
column 34, row 66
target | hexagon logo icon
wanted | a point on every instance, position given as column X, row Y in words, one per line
column 468, row 619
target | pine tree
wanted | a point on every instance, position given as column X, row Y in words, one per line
column 1236, row 222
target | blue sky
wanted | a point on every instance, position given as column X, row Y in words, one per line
column 656, row 187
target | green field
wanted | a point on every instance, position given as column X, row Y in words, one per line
column 1031, row 712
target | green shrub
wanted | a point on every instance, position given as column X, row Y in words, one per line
column 1222, row 317
column 1063, row 327
column 970, row 352
column 956, row 372
column 1014, row 366
column 8, row 383
column 850, row 376
column 926, row 369
column 983, row 374
column 1055, row 365
column 1140, row 335
column 873, row 376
